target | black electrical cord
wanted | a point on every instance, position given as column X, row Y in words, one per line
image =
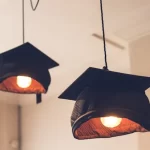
column 34, row 8
column 104, row 40
column 23, row 28
column 23, row 17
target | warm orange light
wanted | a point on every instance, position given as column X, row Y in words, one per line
column 23, row 81
column 111, row 121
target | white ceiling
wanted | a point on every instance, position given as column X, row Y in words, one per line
column 63, row 29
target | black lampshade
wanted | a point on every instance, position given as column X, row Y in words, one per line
column 100, row 93
column 25, row 60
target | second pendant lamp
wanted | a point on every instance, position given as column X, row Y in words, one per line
column 108, row 104
column 24, row 69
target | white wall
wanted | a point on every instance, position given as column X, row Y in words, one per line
column 8, row 125
column 47, row 127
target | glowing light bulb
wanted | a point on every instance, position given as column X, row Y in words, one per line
column 111, row 121
column 23, row 81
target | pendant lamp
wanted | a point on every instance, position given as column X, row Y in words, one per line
column 24, row 69
column 108, row 104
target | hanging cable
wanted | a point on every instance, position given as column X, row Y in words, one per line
column 23, row 17
column 34, row 8
column 103, row 31
column 23, row 29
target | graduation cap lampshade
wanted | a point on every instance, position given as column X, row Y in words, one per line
column 108, row 104
column 24, row 69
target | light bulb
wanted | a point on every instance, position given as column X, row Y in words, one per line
column 23, row 81
column 111, row 121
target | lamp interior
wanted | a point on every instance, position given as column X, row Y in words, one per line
column 94, row 128
column 10, row 85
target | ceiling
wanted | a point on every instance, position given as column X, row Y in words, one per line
column 63, row 29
